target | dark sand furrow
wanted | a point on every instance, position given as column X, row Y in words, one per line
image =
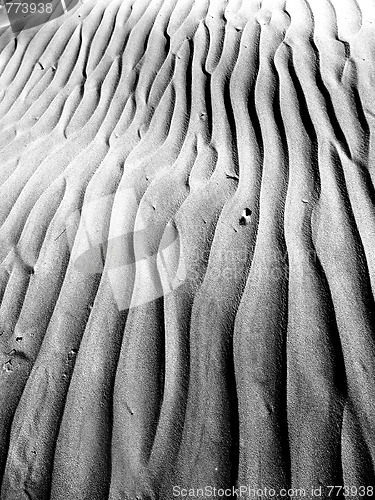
column 154, row 129
column 6, row 56
column 362, row 200
column 189, row 25
column 160, row 453
column 162, row 77
column 110, row 44
column 89, row 401
column 152, row 138
column 222, row 128
column 88, row 408
column 156, row 463
column 22, row 44
column 307, row 64
column 327, row 189
column 24, row 256
column 356, row 128
column 97, row 121
column 149, row 139
column 157, row 87
column 61, row 342
column 156, row 52
column 23, row 169
column 168, row 436
column 93, row 157
column 66, row 154
column 95, row 99
column 58, row 66
column 314, row 422
column 12, row 227
column 46, row 39
column 340, row 75
column 363, row 45
column 209, row 445
column 31, row 117
column 200, row 122
column 156, row 208
column 89, row 386
column 178, row 16
column 147, row 318
column 43, row 288
column 143, row 366
column 33, row 132
column 23, row 338
column 333, row 224
column 216, row 28
column 59, row 78
column 161, row 82
column 155, row 55
column 138, row 38
column 118, row 101
column 259, row 338
column 195, row 222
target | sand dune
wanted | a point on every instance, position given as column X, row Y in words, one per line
column 187, row 267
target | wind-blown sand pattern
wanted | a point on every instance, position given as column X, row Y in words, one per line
column 187, row 230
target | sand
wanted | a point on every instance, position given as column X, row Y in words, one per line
column 187, row 267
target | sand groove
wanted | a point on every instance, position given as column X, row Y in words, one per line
column 187, row 269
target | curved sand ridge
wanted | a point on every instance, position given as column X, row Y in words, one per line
column 187, row 263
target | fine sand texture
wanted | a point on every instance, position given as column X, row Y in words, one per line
column 187, row 251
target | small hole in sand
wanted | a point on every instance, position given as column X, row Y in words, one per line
column 245, row 217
